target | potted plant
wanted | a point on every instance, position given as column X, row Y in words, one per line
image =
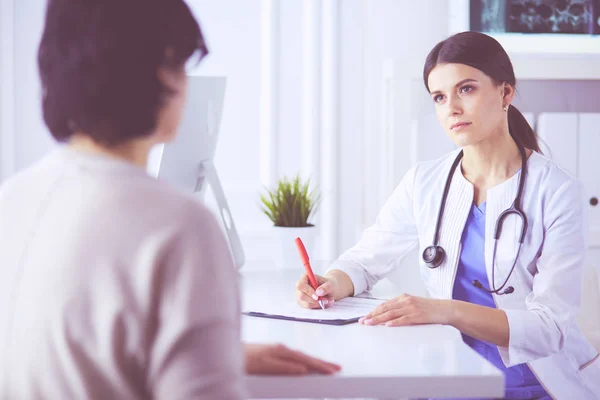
column 291, row 205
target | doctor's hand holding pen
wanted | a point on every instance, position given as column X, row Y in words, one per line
column 314, row 291
column 335, row 285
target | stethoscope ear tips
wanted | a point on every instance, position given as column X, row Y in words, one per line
column 433, row 256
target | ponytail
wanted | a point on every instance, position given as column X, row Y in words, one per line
column 521, row 131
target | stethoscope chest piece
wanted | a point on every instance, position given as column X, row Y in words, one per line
column 434, row 256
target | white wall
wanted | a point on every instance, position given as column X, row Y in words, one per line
column 23, row 136
column 6, row 87
column 365, row 33
column 393, row 30
column 32, row 140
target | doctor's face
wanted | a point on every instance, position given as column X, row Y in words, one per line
column 468, row 103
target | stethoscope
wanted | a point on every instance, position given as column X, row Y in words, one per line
column 434, row 255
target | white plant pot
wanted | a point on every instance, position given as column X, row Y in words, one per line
column 287, row 252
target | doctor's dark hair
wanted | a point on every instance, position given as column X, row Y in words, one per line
column 483, row 52
column 99, row 60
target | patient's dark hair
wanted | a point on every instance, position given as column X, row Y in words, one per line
column 99, row 62
column 483, row 52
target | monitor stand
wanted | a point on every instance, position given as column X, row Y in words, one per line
column 208, row 172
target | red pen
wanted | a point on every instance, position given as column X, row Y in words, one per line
column 309, row 272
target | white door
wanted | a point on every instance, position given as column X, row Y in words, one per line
column 589, row 170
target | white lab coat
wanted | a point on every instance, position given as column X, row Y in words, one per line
column 547, row 278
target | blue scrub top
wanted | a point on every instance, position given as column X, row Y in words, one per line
column 520, row 383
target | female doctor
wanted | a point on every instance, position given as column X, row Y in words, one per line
column 501, row 231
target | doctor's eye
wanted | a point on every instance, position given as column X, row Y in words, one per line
column 466, row 89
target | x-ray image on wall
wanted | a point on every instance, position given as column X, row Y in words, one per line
column 536, row 16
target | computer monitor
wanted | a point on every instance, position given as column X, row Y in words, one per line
column 187, row 161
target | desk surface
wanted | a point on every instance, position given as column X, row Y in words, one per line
column 377, row 361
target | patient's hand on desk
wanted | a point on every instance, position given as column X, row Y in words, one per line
column 279, row 360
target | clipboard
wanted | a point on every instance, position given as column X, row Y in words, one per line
column 343, row 312
column 337, row 322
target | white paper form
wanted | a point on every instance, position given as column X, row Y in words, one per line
column 349, row 308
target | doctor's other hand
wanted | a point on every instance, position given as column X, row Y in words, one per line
column 307, row 297
column 410, row 310
column 277, row 359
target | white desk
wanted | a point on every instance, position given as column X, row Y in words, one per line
column 377, row 362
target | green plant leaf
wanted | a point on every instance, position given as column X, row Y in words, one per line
column 291, row 202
